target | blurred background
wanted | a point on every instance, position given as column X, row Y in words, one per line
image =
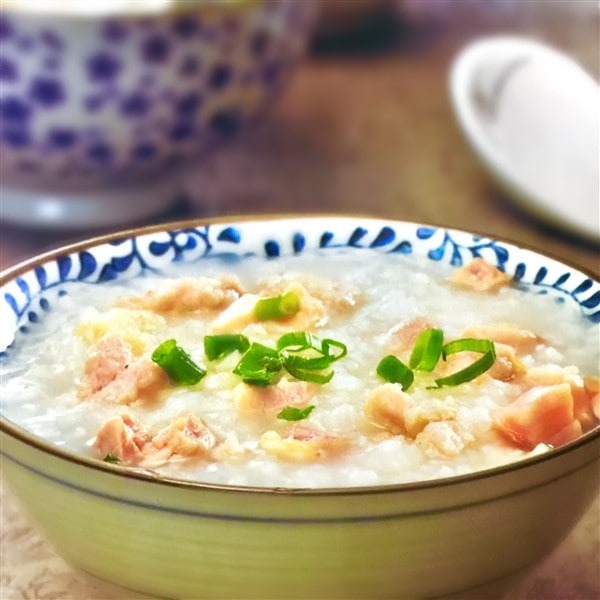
column 302, row 106
column 362, row 123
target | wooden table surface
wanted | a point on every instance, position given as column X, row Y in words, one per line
column 365, row 127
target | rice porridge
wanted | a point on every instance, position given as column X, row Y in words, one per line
column 302, row 372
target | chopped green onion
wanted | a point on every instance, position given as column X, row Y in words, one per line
column 393, row 370
column 277, row 307
column 303, row 366
column 294, row 366
column 110, row 458
column 291, row 413
column 219, row 346
column 299, row 341
column 468, row 345
column 480, row 366
column 316, row 363
column 260, row 365
column 177, row 363
column 326, row 346
column 427, row 350
column 296, row 341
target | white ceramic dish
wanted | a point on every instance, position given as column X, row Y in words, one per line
column 531, row 115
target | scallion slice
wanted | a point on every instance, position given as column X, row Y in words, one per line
column 219, row 346
column 296, row 369
column 291, row 413
column 316, row 363
column 303, row 355
column 328, row 344
column 300, row 341
column 480, row 366
column 112, row 459
column 296, row 341
column 427, row 350
column 393, row 370
column 260, row 365
column 277, row 307
column 177, row 363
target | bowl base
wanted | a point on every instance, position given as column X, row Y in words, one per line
column 498, row 589
column 83, row 207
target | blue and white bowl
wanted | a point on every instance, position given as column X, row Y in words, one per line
column 93, row 97
column 177, row 538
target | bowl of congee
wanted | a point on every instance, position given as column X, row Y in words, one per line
column 301, row 406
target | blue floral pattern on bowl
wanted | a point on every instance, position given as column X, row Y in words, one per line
column 37, row 286
column 85, row 97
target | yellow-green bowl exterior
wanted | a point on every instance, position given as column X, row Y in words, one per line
column 186, row 541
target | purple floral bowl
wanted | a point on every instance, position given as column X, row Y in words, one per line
column 93, row 96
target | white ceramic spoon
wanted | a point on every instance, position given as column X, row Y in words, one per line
column 533, row 116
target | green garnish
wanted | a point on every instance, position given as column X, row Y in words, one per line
column 393, row 370
column 427, row 350
column 277, row 307
column 177, row 363
column 328, row 344
column 294, row 366
column 291, row 413
column 304, row 355
column 260, row 365
column 480, row 366
column 219, row 346
column 296, row 341
column 110, row 458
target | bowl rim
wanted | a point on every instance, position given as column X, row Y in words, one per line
column 171, row 10
column 21, row 435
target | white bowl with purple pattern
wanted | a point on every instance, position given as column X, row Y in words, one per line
column 469, row 535
column 97, row 101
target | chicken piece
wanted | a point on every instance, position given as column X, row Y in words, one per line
column 543, row 375
column 506, row 367
column 395, row 411
column 443, row 439
column 542, row 415
column 124, row 438
column 586, row 401
column 585, row 390
column 188, row 296
column 402, row 339
column 108, row 359
column 186, row 436
column 303, row 444
column 132, row 326
column 142, row 380
column 430, row 411
column 112, row 375
column 336, row 296
column 256, row 400
column 237, row 316
column 480, row 276
column 522, row 340
column 387, row 406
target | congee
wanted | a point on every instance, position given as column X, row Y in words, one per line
column 354, row 369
